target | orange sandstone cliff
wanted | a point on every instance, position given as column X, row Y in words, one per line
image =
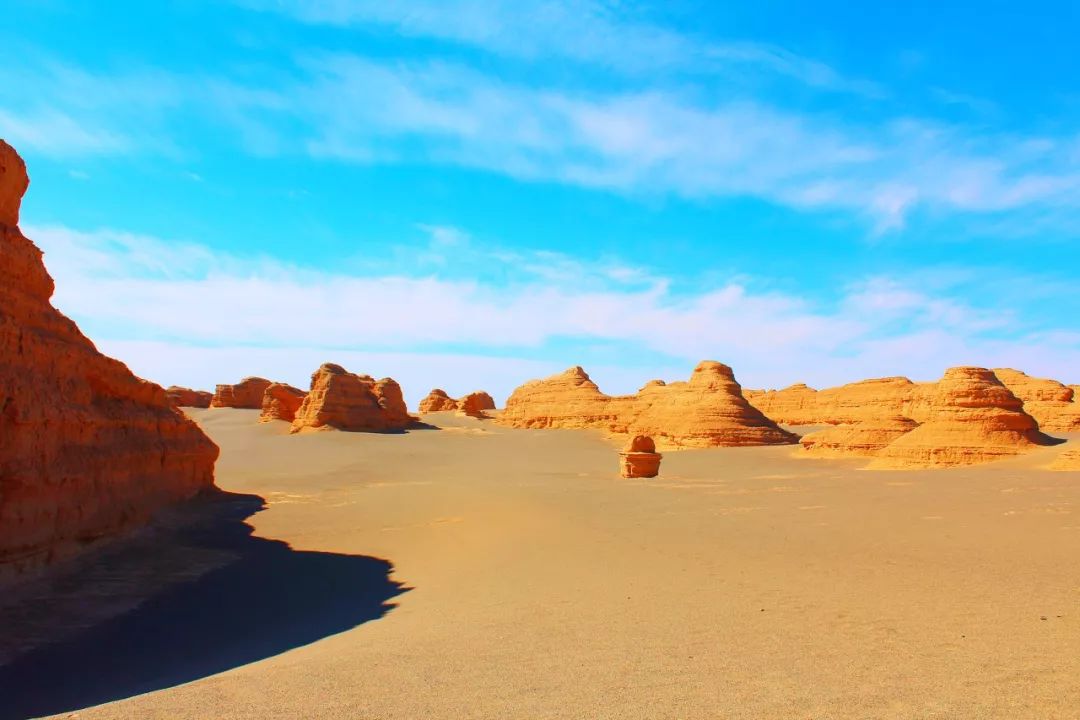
column 706, row 411
column 878, row 398
column 476, row 404
column 972, row 418
column 87, row 449
column 186, row 397
column 342, row 400
column 280, row 402
column 1053, row 404
column 246, row 394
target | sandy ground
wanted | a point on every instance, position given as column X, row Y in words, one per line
column 742, row 583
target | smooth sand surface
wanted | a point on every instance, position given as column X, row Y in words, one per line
column 742, row 583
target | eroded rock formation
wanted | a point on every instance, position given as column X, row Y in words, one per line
column 1054, row 405
column 87, row 449
column 864, row 438
column 877, row 399
column 972, row 418
column 339, row 399
column 280, row 402
column 186, row 397
column 707, row 411
column 639, row 459
column 246, row 394
column 438, row 401
column 476, row 404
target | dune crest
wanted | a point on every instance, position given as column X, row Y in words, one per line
column 709, row 410
column 87, row 449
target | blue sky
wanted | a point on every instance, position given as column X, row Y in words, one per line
column 469, row 194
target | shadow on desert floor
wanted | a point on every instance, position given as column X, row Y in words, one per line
column 266, row 599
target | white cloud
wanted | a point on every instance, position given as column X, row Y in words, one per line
column 163, row 306
column 605, row 34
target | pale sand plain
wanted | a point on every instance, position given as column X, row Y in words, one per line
column 741, row 583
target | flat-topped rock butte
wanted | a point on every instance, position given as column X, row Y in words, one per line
column 186, row 397
column 247, row 394
column 87, row 450
column 475, row 404
column 707, row 411
column 877, row 398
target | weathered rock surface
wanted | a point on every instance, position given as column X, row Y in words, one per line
column 280, row 402
column 476, row 404
column 973, row 418
column 186, row 397
column 246, row 394
column 794, row 405
column 438, row 401
column 878, row 398
column 1054, row 405
column 864, row 438
column 87, row 449
column 342, row 400
column 707, row 411
column 639, row 458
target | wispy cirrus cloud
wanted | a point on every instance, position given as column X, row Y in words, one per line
column 607, row 34
column 190, row 296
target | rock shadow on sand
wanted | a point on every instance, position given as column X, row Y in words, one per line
column 264, row 600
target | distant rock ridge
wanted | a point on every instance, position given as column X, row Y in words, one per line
column 877, row 398
column 87, row 449
column 186, row 397
column 475, row 404
column 341, row 400
column 706, row 411
column 246, row 394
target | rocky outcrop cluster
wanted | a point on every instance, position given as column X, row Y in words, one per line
column 341, row 400
column 246, row 394
column 87, row 449
column 639, row 459
column 878, row 398
column 706, row 411
column 475, row 404
column 1054, row 405
column 972, row 418
column 186, row 397
column 281, row 402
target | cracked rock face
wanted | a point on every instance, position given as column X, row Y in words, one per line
column 87, row 449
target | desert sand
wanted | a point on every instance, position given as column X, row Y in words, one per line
column 480, row 571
